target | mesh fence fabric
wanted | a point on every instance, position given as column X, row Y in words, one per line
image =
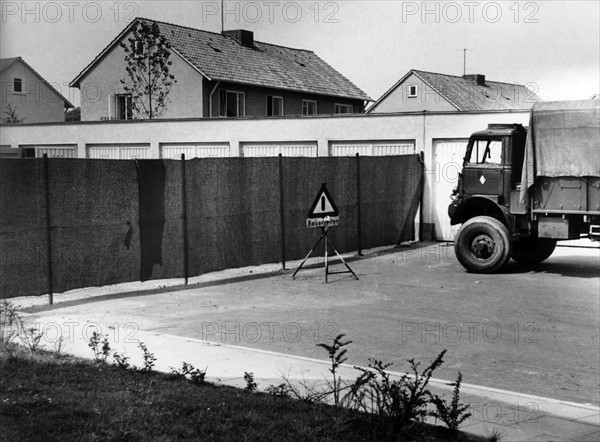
column 120, row 221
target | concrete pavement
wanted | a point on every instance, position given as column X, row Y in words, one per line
column 516, row 415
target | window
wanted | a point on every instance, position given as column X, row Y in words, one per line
column 412, row 91
column 17, row 85
column 343, row 109
column 274, row 106
column 486, row 152
column 232, row 104
column 121, row 108
column 309, row 107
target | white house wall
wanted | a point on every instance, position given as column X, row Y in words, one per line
column 37, row 103
column 399, row 100
column 322, row 131
column 104, row 81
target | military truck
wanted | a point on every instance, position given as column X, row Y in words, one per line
column 523, row 189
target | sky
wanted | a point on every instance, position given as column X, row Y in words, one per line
column 553, row 47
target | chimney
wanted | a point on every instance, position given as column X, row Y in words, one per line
column 478, row 78
column 243, row 37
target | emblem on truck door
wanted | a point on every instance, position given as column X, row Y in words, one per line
column 482, row 179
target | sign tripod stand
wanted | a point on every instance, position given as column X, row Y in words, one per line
column 324, row 214
column 327, row 245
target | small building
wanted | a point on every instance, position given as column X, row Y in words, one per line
column 428, row 91
column 221, row 75
column 27, row 97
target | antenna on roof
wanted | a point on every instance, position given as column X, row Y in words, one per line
column 464, row 60
column 222, row 15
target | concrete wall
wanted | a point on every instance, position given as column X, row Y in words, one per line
column 37, row 103
column 424, row 128
column 427, row 99
column 104, row 81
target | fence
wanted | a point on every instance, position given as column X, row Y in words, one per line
column 74, row 223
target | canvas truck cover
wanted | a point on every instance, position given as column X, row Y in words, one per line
column 563, row 140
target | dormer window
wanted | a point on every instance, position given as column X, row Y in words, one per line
column 17, row 85
column 412, row 91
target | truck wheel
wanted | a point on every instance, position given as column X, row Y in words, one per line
column 483, row 245
column 533, row 250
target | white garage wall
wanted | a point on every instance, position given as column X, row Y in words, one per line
column 363, row 129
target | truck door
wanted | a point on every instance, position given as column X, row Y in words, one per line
column 483, row 169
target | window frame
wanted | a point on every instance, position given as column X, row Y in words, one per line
column 412, row 94
column 305, row 104
column 223, row 103
column 270, row 105
column 20, row 82
column 339, row 106
column 118, row 101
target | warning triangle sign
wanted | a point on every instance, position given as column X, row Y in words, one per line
column 323, row 205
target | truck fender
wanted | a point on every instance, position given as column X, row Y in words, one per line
column 481, row 205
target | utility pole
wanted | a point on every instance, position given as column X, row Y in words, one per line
column 222, row 16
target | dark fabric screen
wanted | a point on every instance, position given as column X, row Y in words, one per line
column 119, row 221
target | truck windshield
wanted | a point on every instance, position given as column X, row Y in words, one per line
column 486, row 152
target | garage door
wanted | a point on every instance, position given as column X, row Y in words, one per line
column 286, row 149
column 195, row 150
column 52, row 150
column 447, row 163
column 119, row 152
column 371, row 148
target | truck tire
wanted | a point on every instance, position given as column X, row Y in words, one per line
column 483, row 245
column 533, row 250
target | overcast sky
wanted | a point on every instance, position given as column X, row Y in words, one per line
column 552, row 46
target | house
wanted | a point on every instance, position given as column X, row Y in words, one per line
column 221, row 75
column 428, row 91
column 27, row 97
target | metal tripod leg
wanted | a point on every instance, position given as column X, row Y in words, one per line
column 310, row 253
column 339, row 256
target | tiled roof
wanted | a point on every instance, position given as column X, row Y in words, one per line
column 6, row 62
column 222, row 58
column 466, row 95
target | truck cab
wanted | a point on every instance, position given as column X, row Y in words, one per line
column 523, row 189
column 491, row 174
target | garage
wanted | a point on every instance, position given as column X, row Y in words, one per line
column 371, row 148
column 286, row 149
column 173, row 151
column 443, row 176
column 119, row 152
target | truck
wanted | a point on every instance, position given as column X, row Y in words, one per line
column 522, row 189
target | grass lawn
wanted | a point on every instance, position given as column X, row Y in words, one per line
column 45, row 398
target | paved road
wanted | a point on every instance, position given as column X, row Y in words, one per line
column 531, row 330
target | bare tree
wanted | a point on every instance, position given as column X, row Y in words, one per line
column 12, row 118
column 147, row 56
